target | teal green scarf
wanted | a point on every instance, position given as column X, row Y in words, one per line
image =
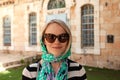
column 46, row 72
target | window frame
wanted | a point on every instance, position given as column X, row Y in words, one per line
column 7, row 31
column 87, row 26
column 32, row 29
column 54, row 4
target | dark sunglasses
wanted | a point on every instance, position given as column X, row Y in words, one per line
column 52, row 37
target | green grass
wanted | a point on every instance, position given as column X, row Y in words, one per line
column 11, row 74
column 102, row 74
column 92, row 74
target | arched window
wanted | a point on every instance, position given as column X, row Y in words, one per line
column 53, row 4
column 7, row 31
column 87, row 23
column 32, row 29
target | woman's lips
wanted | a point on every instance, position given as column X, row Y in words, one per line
column 57, row 47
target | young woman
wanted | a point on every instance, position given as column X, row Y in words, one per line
column 56, row 48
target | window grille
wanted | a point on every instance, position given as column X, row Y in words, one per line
column 87, row 23
column 7, row 31
column 32, row 29
column 53, row 4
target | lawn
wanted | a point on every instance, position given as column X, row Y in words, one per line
column 102, row 74
column 11, row 74
column 92, row 74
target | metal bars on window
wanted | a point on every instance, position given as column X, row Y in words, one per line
column 87, row 29
column 7, row 31
column 32, row 29
column 53, row 4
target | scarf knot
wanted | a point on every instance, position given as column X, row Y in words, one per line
column 47, row 72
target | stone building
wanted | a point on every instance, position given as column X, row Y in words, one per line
column 94, row 25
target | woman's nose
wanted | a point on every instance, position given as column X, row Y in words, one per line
column 57, row 41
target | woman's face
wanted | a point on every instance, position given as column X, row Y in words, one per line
column 56, row 48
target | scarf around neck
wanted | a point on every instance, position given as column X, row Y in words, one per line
column 47, row 72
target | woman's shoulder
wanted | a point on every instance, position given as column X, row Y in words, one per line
column 33, row 66
column 72, row 63
column 76, row 70
column 30, row 72
column 75, row 66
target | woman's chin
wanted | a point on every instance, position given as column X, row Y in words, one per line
column 57, row 54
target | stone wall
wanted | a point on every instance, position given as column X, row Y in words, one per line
column 107, row 21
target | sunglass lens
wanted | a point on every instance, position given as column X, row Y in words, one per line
column 50, row 38
column 63, row 38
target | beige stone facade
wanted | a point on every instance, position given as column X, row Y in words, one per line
column 106, row 22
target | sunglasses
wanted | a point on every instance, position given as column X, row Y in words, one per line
column 52, row 37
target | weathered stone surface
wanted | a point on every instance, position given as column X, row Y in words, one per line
column 106, row 22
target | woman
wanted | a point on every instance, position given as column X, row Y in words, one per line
column 55, row 65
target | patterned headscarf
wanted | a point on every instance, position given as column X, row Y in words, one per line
column 47, row 72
